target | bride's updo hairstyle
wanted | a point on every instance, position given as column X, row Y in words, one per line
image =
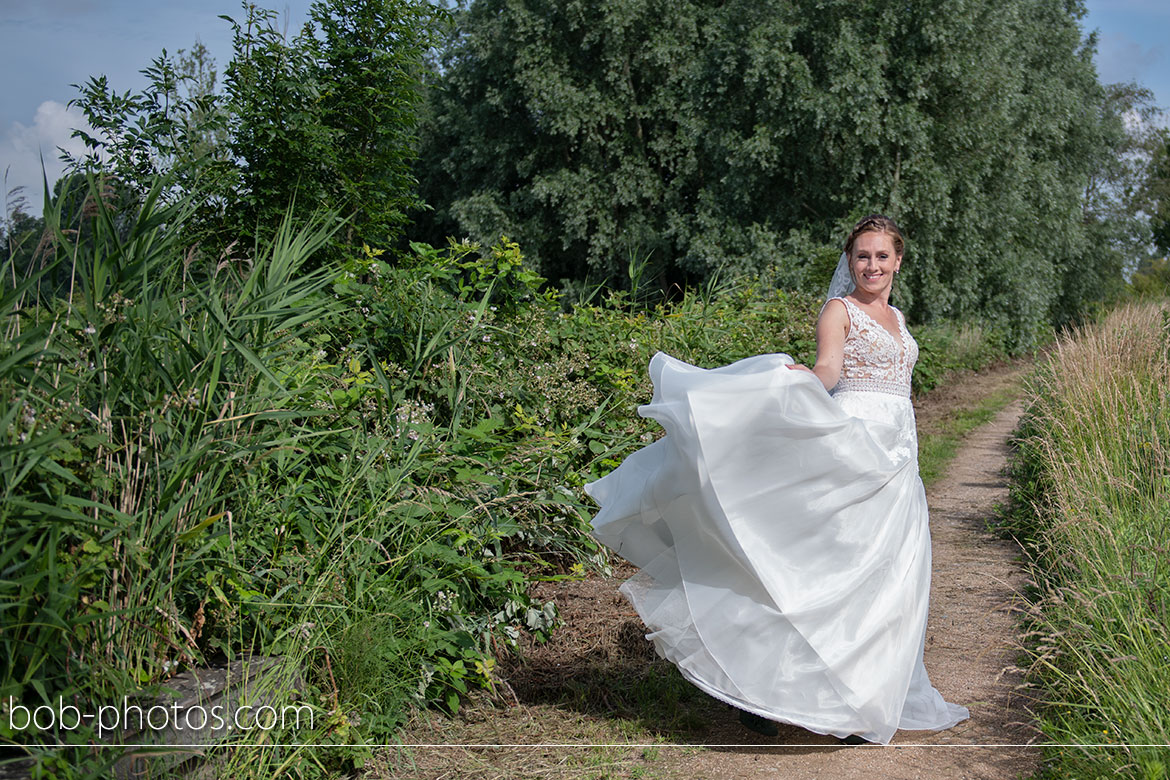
column 876, row 223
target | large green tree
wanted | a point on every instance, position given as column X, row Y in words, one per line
column 369, row 58
column 749, row 134
column 1121, row 197
column 328, row 117
column 1159, row 193
column 323, row 118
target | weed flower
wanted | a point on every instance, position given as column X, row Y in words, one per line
column 426, row 674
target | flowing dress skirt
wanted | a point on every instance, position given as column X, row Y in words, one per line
column 783, row 541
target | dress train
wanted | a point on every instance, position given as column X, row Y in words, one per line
column 783, row 541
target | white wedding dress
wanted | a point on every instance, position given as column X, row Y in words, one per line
column 782, row 536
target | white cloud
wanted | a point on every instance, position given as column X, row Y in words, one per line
column 23, row 146
column 1121, row 58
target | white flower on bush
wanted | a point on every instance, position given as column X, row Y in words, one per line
column 411, row 414
column 426, row 674
column 445, row 601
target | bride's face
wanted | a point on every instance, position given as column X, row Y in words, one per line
column 874, row 262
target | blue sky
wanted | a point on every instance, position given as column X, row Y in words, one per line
column 50, row 44
column 1134, row 43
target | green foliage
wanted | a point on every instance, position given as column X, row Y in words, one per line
column 948, row 347
column 369, row 62
column 285, row 150
column 327, row 118
column 1152, row 278
column 1119, row 199
column 1090, row 497
column 174, row 126
column 324, row 118
column 20, row 233
column 119, row 477
column 746, row 135
column 1159, row 193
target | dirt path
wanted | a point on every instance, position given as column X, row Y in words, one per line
column 598, row 682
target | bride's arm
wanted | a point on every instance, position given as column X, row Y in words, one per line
column 832, row 327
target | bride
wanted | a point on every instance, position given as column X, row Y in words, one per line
column 781, row 531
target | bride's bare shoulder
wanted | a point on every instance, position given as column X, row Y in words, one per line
column 834, row 315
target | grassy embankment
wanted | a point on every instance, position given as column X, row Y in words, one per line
column 1092, row 487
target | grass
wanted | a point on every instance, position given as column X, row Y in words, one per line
column 938, row 445
column 1091, row 489
column 152, row 398
column 564, row 744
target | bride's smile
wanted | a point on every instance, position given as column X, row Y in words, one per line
column 874, row 263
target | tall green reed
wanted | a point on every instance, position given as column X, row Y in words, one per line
column 1093, row 485
column 135, row 398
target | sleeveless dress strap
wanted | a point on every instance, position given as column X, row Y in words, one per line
column 848, row 311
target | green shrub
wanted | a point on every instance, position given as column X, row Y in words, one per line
column 361, row 470
column 948, row 347
column 1152, row 279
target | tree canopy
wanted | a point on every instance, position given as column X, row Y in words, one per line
column 748, row 135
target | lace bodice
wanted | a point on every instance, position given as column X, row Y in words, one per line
column 875, row 361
